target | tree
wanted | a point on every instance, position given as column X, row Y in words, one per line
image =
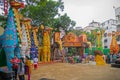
column 64, row 22
column 3, row 20
column 92, row 37
column 43, row 11
column 77, row 32
column 46, row 12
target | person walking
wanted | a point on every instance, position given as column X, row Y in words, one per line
column 21, row 69
column 28, row 67
column 35, row 63
column 15, row 61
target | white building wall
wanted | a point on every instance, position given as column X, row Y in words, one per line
column 109, row 26
column 117, row 14
column 92, row 26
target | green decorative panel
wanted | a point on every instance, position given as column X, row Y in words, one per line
column 2, row 58
column 106, row 51
column 87, row 51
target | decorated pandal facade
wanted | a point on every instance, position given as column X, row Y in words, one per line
column 44, row 51
column 19, row 37
column 26, row 42
column 71, row 40
column 34, row 43
column 114, row 48
column 29, row 44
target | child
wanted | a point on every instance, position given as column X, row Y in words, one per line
column 28, row 67
column 35, row 63
column 15, row 62
column 66, row 58
column 21, row 70
column 71, row 60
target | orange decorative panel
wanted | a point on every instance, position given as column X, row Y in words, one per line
column 71, row 40
column 70, row 44
column 56, row 36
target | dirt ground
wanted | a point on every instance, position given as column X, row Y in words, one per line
column 66, row 71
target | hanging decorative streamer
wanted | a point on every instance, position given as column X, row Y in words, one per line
column 5, row 7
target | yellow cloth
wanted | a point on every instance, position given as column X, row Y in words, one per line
column 60, row 42
column 28, row 63
column 99, row 60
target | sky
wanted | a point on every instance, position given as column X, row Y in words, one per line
column 84, row 11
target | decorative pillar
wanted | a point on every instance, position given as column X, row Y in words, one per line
column 46, row 43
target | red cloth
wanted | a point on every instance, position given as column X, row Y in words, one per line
column 15, row 62
column 35, row 66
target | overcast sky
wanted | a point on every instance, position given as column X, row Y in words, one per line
column 84, row 11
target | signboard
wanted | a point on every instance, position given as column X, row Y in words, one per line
column 72, row 44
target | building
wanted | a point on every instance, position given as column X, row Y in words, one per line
column 1, row 7
column 92, row 26
column 109, row 26
column 88, row 29
column 78, row 28
column 117, row 14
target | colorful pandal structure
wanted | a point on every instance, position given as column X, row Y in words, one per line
column 34, row 43
column 99, row 41
column 12, row 36
column 29, row 41
column 114, row 48
column 35, row 30
column 57, row 39
column 57, row 46
column 26, row 41
column 46, row 44
column 71, row 40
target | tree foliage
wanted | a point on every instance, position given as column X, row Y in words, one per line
column 47, row 12
column 92, row 37
column 77, row 31
column 3, row 21
column 64, row 22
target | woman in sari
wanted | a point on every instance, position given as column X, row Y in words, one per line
column 98, row 58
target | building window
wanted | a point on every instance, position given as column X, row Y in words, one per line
column 106, row 27
column 118, row 38
column 105, row 47
column 105, row 41
column 108, row 21
column 119, row 45
column 105, row 35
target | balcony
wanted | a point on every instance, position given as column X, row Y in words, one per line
column 118, row 23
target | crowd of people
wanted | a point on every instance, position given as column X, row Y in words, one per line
column 88, row 58
column 21, row 67
column 79, row 59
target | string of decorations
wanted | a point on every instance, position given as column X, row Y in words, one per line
column 17, row 23
column 27, row 28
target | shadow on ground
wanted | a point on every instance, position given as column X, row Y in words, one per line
column 46, row 79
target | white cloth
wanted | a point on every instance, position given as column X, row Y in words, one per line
column 35, row 60
column 21, row 69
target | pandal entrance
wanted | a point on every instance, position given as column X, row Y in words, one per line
column 68, row 41
column 78, row 42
